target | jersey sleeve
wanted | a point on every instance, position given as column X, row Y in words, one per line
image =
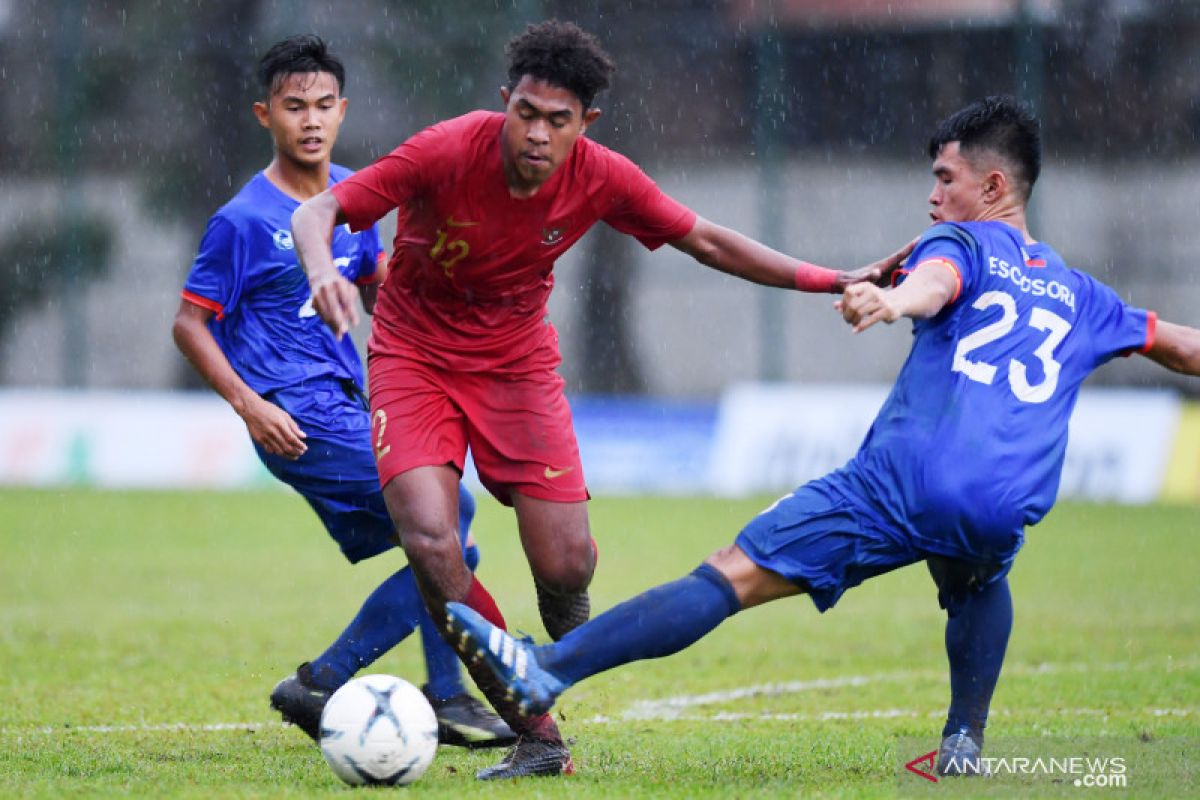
column 639, row 208
column 371, row 256
column 392, row 181
column 950, row 246
column 1116, row 328
column 218, row 272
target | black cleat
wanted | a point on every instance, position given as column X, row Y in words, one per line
column 464, row 721
column 300, row 702
column 961, row 754
column 531, row 757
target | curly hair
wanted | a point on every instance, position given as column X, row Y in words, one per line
column 1002, row 124
column 298, row 55
column 561, row 54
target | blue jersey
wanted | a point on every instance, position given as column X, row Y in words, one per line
column 968, row 448
column 247, row 272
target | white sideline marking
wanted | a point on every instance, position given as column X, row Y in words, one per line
column 720, row 716
column 673, row 708
column 889, row 713
column 667, row 708
column 670, row 707
column 183, row 727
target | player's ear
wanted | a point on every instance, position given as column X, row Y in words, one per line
column 504, row 95
column 590, row 116
column 263, row 113
column 995, row 186
column 342, row 103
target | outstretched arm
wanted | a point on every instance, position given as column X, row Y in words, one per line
column 268, row 424
column 925, row 292
column 730, row 252
column 1176, row 347
column 312, row 231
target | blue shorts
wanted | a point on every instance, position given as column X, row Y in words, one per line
column 339, row 481
column 824, row 538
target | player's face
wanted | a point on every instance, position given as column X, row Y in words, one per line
column 541, row 123
column 304, row 114
column 959, row 189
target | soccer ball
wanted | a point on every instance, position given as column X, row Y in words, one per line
column 378, row 729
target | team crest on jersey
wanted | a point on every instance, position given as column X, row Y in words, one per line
column 283, row 239
column 552, row 236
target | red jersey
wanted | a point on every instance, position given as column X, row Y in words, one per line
column 471, row 269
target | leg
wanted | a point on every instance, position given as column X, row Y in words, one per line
column 817, row 540
column 523, row 441
column 462, row 719
column 667, row 619
column 562, row 557
column 385, row 619
column 422, row 421
column 338, row 480
column 657, row 623
column 389, row 614
column 753, row 585
column 422, row 502
column 977, row 629
column 441, row 662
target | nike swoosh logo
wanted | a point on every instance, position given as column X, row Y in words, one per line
column 453, row 223
column 556, row 473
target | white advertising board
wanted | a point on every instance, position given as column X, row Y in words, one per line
column 123, row 439
column 772, row 438
column 765, row 439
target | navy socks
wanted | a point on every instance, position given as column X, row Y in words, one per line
column 976, row 639
column 656, row 623
column 388, row 616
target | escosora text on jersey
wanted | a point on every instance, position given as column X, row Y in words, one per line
column 1038, row 287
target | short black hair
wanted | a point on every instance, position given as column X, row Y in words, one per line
column 297, row 55
column 561, row 54
column 1001, row 124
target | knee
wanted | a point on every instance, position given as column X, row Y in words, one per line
column 428, row 541
column 568, row 569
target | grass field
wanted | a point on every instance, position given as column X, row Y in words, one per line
column 133, row 626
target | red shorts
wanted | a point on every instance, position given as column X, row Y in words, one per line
column 518, row 427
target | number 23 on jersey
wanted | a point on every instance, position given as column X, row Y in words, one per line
column 1041, row 319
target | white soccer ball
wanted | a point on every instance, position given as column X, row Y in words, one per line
column 379, row 729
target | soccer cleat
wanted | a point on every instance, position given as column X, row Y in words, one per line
column 464, row 721
column 531, row 757
column 512, row 660
column 300, row 702
column 961, row 755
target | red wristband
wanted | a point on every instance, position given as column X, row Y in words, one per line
column 811, row 278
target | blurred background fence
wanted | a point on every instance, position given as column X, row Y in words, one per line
column 802, row 122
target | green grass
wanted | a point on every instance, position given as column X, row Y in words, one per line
column 143, row 609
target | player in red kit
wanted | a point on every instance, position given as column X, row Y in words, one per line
column 461, row 350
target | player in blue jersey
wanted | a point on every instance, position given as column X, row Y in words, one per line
column 965, row 453
column 247, row 325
